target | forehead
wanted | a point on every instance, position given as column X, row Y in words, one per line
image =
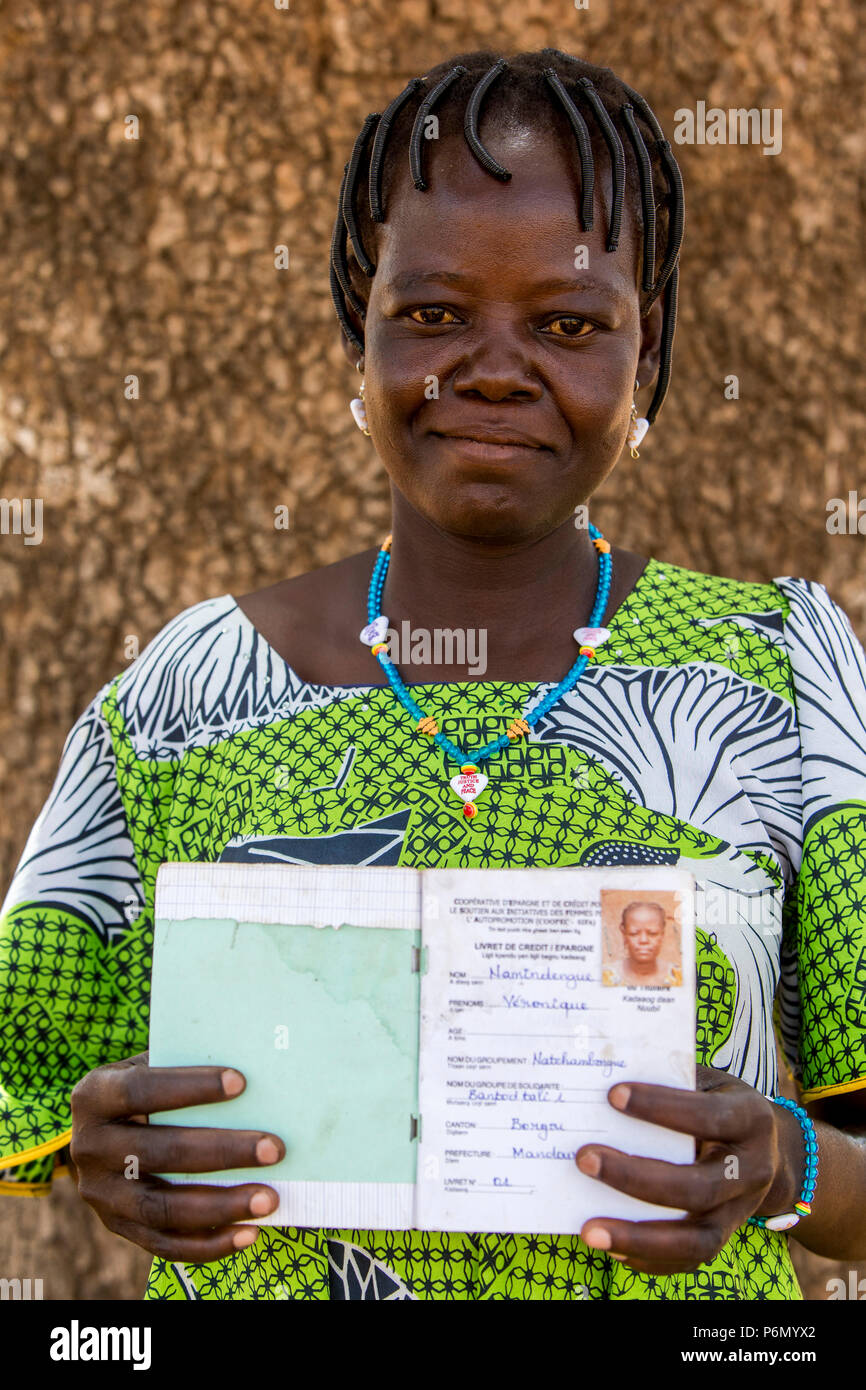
column 513, row 232
column 645, row 916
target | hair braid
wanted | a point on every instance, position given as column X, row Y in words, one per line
column 375, row 177
column 470, row 124
column 348, row 199
column 581, row 130
column 617, row 160
column 647, row 199
column 424, row 111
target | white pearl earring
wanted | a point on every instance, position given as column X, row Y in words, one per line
column 637, row 429
column 358, row 408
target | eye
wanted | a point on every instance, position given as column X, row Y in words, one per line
column 432, row 309
column 572, row 319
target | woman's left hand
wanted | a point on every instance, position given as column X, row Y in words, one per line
column 746, row 1164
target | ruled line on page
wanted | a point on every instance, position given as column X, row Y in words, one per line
column 290, row 893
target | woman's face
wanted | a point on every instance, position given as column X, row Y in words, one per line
column 462, row 305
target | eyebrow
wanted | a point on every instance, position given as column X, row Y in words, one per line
column 410, row 278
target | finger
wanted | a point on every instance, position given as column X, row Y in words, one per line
column 123, row 1090
column 682, row 1245
column 187, row 1208
column 721, row 1114
column 176, row 1148
column 190, row 1249
column 698, row 1187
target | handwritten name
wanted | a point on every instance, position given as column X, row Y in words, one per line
column 572, row 977
column 541, row 1153
column 517, row 1001
column 561, row 1059
column 541, row 1127
column 544, row 1096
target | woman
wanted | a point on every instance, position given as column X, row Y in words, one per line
column 504, row 292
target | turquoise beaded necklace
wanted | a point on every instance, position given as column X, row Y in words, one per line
column 470, row 781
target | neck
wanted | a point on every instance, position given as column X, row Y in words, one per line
column 519, row 591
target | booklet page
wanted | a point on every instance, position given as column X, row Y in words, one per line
column 542, row 989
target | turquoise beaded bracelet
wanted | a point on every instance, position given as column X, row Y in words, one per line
column 803, row 1206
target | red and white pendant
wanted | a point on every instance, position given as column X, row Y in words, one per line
column 469, row 784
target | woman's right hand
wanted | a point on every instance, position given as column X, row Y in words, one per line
column 115, row 1153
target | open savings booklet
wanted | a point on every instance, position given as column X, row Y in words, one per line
column 432, row 1045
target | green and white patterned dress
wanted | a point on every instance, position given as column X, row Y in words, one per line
column 722, row 728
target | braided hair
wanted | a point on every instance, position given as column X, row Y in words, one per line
column 583, row 104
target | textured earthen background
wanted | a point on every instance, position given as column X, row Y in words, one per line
column 154, row 257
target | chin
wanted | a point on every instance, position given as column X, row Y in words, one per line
column 489, row 513
column 490, row 526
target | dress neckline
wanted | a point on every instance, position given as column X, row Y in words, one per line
column 614, row 625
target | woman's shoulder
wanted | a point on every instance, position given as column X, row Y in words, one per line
column 779, row 589
column 195, row 668
column 718, row 592
column 206, row 673
column 209, row 626
column 786, row 607
column 227, row 662
column 313, row 619
column 786, row 635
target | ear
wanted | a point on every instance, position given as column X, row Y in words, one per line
column 650, row 341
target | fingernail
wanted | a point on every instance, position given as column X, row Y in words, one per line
column 267, row 1151
column 245, row 1237
column 233, row 1082
column 611, row 1256
column 263, row 1202
column 619, row 1097
column 598, row 1238
column 589, row 1163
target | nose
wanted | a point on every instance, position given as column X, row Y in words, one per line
column 496, row 368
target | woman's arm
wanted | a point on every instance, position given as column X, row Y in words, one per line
column 76, row 888
column 837, row 1226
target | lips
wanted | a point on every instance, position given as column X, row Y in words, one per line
column 482, row 452
column 489, row 445
column 486, row 434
